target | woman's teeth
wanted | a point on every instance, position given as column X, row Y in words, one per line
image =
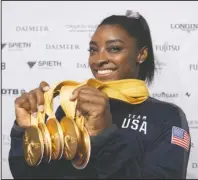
column 106, row 71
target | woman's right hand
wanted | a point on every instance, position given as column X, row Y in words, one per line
column 29, row 103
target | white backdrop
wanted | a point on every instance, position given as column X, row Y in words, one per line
column 49, row 41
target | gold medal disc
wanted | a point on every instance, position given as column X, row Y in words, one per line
column 70, row 138
column 47, row 142
column 82, row 157
column 33, row 146
column 57, row 139
column 78, row 133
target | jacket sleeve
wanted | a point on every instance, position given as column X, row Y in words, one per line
column 167, row 156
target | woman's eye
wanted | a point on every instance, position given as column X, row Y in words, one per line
column 114, row 49
column 92, row 49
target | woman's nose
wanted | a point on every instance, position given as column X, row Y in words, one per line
column 100, row 62
column 102, row 54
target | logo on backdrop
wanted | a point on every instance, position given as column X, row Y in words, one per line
column 31, row 64
column 3, row 45
column 44, row 64
column 82, row 28
column 185, row 27
column 11, row 91
column 35, row 28
column 167, row 47
column 3, row 66
column 188, row 94
column 16, row 46
column 170, row 95
column 165, row 95
column 194, row 165
column 62, row 47
column 82, row 66
column 193, row 67
column 193, row 124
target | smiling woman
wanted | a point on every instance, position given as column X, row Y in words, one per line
column 121, row 48
column 144, row 139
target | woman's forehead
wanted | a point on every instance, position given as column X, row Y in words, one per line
column 111, row 32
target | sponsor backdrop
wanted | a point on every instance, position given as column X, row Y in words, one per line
column 49, row 41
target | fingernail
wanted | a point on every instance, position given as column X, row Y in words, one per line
column 46, row 88
column 34, row 114
column 41, row 108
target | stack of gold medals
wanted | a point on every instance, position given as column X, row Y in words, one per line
column 69, row 137
column 48, row 141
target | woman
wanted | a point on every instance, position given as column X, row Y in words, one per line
column 148, row 140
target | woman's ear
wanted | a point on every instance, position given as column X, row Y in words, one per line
column 142, row 56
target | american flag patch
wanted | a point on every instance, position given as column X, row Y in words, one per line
column 180, row 137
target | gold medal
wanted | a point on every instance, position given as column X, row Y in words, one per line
column 82, row 157
column 70, row 138
column 33, row 146
column 47, row 142
column 78, row 134
column 57, row 138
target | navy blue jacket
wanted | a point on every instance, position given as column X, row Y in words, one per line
column 149, row 140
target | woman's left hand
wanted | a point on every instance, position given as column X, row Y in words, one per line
column 94, row 105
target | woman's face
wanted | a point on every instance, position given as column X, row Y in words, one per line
column 113, row 54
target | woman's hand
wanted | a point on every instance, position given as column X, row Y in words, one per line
column 29, row 103
column 94, row 105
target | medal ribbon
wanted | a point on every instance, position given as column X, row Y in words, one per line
column 132, row 91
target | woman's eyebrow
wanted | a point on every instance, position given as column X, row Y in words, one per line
column 107, row 42
column 92, row 43
column 114, row 40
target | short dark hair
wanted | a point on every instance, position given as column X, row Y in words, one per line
column 139, row 29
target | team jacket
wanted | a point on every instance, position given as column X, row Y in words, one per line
column 149, row 140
